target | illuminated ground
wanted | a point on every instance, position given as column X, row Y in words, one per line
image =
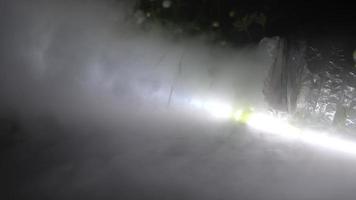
column 170, row 157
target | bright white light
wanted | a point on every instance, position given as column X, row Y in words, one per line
column 218, row 109
column 214, row 107
column 269, row 124
column 237, row 115
column 328, row 142
column 196, row 103
column 281, row 128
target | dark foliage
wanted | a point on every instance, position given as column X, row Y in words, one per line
column 246, row 21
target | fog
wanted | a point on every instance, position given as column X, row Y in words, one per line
column 94, row 106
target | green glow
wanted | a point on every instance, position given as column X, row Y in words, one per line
column 243, row 115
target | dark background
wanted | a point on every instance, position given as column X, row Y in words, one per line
column 284, row 18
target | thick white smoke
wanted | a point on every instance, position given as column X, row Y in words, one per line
column 58, row 52
column 75, row 80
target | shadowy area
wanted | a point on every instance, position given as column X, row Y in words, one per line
column 240, row 22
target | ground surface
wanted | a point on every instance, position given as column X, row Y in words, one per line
column 168, row 157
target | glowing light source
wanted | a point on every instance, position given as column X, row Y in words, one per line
column 237, row 115
column 281, row 128
column 218, row 109
column 269, row 124
column 196, row 103
column 328, row 142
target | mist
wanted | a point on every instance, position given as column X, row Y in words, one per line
column 93, row 106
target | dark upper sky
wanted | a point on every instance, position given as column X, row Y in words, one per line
column 282, row 17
